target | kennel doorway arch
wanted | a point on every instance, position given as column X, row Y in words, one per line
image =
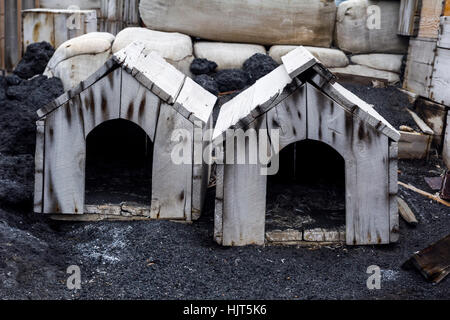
column 302, row 100
column 135, row 85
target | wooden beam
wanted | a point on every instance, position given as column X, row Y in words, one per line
column 433, row 262
column 422, row 125
column 424, row 193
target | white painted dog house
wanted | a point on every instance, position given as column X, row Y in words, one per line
column 303, row 101
column 135, row 85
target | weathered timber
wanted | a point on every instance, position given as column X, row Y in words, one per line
column 433, row 262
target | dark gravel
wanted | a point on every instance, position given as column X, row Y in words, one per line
column 34, row 60
column 388, row 102
column 163, row 259
column 231, row 80
column 19, row 100
column 228, row 80
column 208, row 83
column 258, row 65
column 202, row 66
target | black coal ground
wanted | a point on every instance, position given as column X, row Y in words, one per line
column 162, row 259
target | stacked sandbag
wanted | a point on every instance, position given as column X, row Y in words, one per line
column 365, row 26
column 330, row 58
column 300, row 22
column 359, row 71
column 378, row 66
column 380, row 61
column 76, row 59
column 226, row 55
column 175, row 47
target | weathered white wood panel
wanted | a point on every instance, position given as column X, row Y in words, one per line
column 101, row 101
column 394, row 226
column 289, row 118
column 358, row 107
column 419, row 68
column 116, row 15
column 444, row 33
column 159, row 76
column 56, row 26
column 39, row 166
column 201, row 168
column 440, row 82
column 244, row 198
column 195, row 101
column 446, row 148
column 219, row 204
column 301, row 22
column 408, row 24
column 65, row 162
column 139, row 105
column 365, row 152
column 172, row 182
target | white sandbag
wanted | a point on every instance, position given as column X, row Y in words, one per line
column 90, row 43
column 365, row 26
column 76, row 59
column 227, row 55
column 363, row 71
column 78, row 68
column 175, row 47
column 300, row 22
column 64, row 4
column 330, row 58
column 380, row 61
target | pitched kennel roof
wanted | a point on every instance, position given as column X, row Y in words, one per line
column 154, row 73
column 273, row 88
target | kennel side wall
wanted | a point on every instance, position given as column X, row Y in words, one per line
column 370, row 172
column 61, row 148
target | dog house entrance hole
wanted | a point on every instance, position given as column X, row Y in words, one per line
column 306, row 198
column 118, row 164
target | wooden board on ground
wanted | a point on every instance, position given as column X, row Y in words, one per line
column 434, row 115
column 414, row 145
column 433, row 262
